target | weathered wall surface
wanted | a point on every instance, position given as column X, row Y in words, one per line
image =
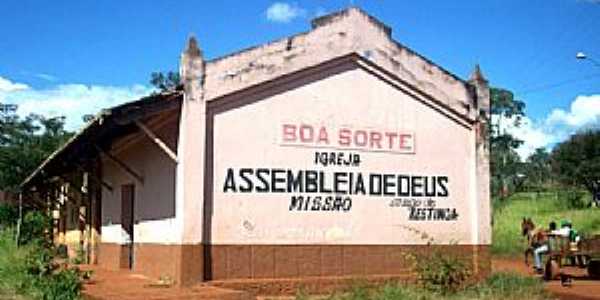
column 348, row 31
column 253, row 136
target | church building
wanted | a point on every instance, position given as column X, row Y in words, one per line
column 332, row 153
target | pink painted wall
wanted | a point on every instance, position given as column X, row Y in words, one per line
column 251, row 137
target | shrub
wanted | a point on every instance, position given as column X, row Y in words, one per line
column 35, row 228
column 573, row 198
column 64, row 284
column 30, row 270
column 48, row 279
column 442, row 272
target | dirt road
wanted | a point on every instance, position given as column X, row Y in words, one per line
column 582, row 288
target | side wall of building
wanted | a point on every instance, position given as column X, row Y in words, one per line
column 245, row 232
column 156, row 230
column 263, row 225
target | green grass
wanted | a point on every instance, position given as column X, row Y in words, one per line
column 27, row 272
column 12, row 265
column 543, row 208
column 499, row 286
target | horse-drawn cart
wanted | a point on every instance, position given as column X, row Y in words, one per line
column 585, row 254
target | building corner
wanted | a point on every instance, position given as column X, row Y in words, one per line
column 482, row 107
column 190, row 169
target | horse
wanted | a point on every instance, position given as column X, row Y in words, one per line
column 535, row 237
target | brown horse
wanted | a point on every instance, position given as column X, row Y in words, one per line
column 535, row 237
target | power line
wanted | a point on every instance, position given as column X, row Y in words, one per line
column 557, row 84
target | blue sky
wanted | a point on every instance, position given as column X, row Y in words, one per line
column 75, row 57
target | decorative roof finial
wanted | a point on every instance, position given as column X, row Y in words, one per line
column 476, row 75
column 191, row 70
column 192, row 48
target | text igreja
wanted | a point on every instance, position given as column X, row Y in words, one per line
column 265, row 180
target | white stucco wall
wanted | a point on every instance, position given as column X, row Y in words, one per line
column 154, row 208
column 251, row 137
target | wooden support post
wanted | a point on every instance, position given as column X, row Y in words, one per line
column 157, row 141
column 96, row 179
column 124, row 167
column 20, row 221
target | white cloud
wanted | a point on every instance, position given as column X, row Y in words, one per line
column 71, row 100
column 557, row 126
column 283, row 12
column 532, row 134
column 7, row 86
column 584, row 110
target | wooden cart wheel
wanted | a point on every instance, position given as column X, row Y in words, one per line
column 594, row 268
column 552, row 270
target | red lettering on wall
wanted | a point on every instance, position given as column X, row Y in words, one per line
column 306, row 133
column 361, row 139
column 289, row 133
column 345, row 137
column 323, row 137
column 405, row 141
column 391, row 136
column 375, row 140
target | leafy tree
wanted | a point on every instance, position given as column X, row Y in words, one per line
column 165, row 81
column 505, row 105
column 538, row 167
column 505, row 163
column 25, row 143
column 576, row 162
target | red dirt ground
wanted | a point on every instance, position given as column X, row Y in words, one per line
column 106, row 284
column 582, row 288
column 123, row 284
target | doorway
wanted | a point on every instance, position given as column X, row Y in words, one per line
column 127, row 221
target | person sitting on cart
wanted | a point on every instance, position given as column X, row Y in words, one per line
column 566, row 229
column 544, row 247
column 574, row 239
column 574, row 235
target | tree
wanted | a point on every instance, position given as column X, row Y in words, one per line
column 25, row 143
column 165, row 81
column 505, row 162
column 576, row 162
column 539, row 167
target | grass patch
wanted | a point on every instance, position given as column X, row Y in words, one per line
column 12, row 265
column 499, row 286
column 29, row 271
column 542, row 208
